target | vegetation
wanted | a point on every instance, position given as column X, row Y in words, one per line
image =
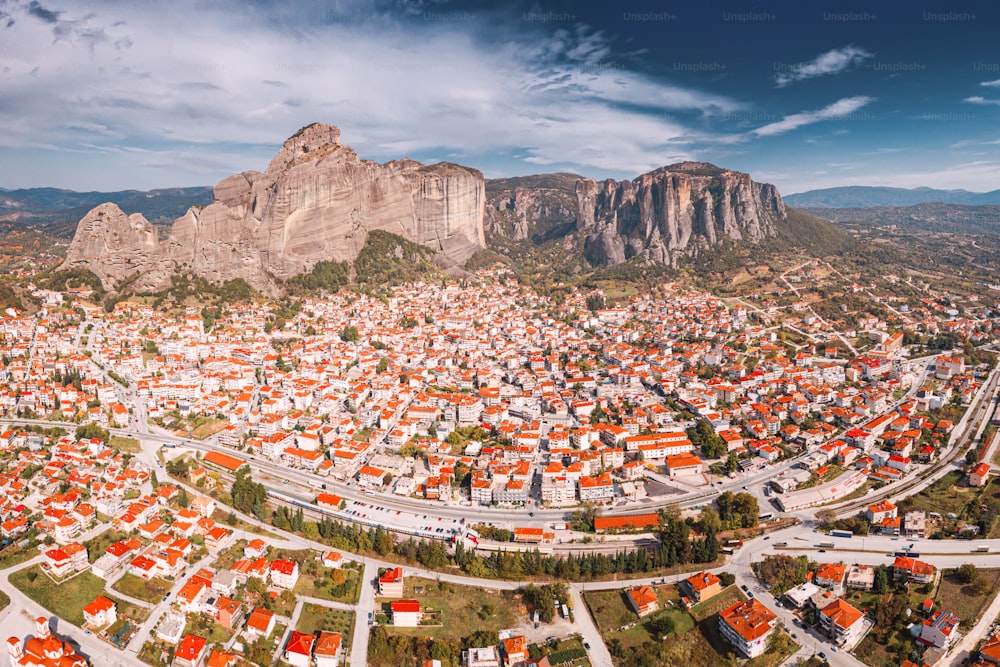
column 782, row 572
column 325, row 276
column 247, row 495
column 390, row 259
column 67, row 599
column 151, row 590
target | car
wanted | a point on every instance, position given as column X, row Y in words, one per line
column 766, row 538
column 797, row 622
column 794, row 636
column 165, row 597
column 777, row 603
column 86, row 632
column 586, row 645
column 284, row 481
column 822, row 551
column 750, row 594
column 531, row 514
column 834, row 648
column 822, row 656
column 744, row 587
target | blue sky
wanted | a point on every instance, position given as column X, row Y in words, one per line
column 114, row 95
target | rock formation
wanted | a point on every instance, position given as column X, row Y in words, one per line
column 315, row 201
column 681, row 209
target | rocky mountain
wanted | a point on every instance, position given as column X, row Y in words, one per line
column 316, row 201
column 675, row 211
column 859, row 196
column 930, row 217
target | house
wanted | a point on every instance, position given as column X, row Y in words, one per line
column 228, row 612
column 390, row 583
column 260, row 623
column 190, row 652
column 912, row 569
column 940, row 630
column 171, row 627
column 332, row 559
column 980, row 474
column 861, row 577
column 326, row 651
column 219, row 658
column 830, row 575
column 406, row 613
column 298, row 650
column 43, row 650
column 747, row 626
column 515, row 650
column 643, row 599
column 990, row 650
column 842, row 622
column 915, row 524
column 100, row 612
column 481, row 657
column 882, row 510
column 683, row 465
column 284, row 573
column 702, row 586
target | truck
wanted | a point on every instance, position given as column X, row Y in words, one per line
column 778, row 545
column 841, row 533
column 982, row 548
column 559, row 526
column 827, row 545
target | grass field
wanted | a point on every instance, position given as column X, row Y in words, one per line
column 315, row 618
column 723, row 600
column 122, row 444
column 944, row 496
column 963, row 599
column 209, row 428
column 609, row 609
column 65, row 600
column 14, row 555
column 339, row 585
column 465, row 609
column 152, row 590
column 205, row 626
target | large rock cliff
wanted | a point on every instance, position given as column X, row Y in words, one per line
column 316, row 201
column 678, row 210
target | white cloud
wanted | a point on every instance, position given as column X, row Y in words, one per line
column 976, row 99
column 439, row 88
column 991, row 84
column 831, row 62
column 837, row 110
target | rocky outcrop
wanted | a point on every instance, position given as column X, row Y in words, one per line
column 113, row 245
column 678, row 210
column 315, row 201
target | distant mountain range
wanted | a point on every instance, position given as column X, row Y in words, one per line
column 861, row 196
column 57, row 211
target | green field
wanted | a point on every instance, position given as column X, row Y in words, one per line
column 152, row 590
column 464, row 609
column 609, row 609
column 65, row 600
column 338, row 585
column 315, row 618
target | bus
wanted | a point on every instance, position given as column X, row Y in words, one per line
column 765, row 517
column 827, row 545
column 841, row 533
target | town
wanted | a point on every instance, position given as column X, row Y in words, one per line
column 297, row 481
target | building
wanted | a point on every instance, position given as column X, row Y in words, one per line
column 190, row 652
column 702, row 586
column 801, row 594
column 682, row 465
column 861, row 577
column 298, row 650
column 100, row 612
column 747, row 626
column 406, row 613
column 515, row 650
column 940, row 630
column 912, row 569
column 830, row 575
column 481, row 657
column 42, row 650
column 390, row 583
column 643, row 600
column 326, row 651
column 219, row 658
column 915, row 524
column 843, row 623
column 284, row 573
column 980, row 474
column 879, row 511
column 260, row 623
column 626, row 522
column 990, row 650
column 596, row 489
column 171, row 627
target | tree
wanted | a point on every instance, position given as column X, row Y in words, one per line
column 349, row 334
column 661, row 625
column 881, row 582
column 968, row 573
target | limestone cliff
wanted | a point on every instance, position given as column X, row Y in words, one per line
column 682, row 209
column 316, row 201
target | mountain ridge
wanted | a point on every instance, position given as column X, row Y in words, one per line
column 864, row 196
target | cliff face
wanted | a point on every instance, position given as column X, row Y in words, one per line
column 315, row 201
column 677, row 210
column 113, row 245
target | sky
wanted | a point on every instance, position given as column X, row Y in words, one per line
column 104, row 95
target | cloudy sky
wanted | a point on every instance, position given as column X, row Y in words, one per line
column 112, row 95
